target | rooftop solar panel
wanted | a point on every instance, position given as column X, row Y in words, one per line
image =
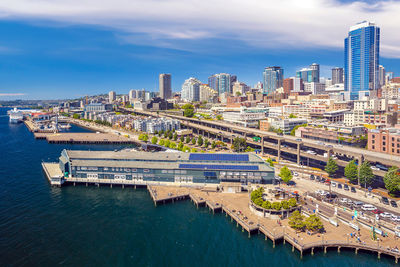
column 219, row 167
column 219, row 157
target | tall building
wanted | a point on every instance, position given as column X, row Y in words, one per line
column 292, row 84
column 361, row 65
column 191, row 90
column 337, row 75
column 112, row 96
column 273, row 79
column 132, row 95
column 213, row 82
column 207, row 93
column 382, row 76
column 239, row 88
column 165, row 86
column 222, row 82
column 309, row 75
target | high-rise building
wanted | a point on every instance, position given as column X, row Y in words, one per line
column 112, row 96
column 165, row 86
column 207, row 93
column 337, row 75
column 309, row 75
column 191, row 90
column 273, row 79
column 222, row 82
column 239, row 88
column 361, row 65
column 382, row 76
column 292, row 84
column 132, row 95
column 213, row 82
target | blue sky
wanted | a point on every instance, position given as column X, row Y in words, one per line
column 55, row 51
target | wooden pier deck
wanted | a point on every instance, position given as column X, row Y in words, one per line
column 84, row 138
column 161, row 196
column 198, row 201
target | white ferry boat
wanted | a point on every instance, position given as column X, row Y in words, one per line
column 16, row 115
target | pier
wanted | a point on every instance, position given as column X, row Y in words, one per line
column 84, row 138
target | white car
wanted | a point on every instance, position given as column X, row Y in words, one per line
column 385, row 215
column 396, row 218
column 368, row 207
column 343, row 200
column 295, row 174
column 333, row 184
column 374, row 168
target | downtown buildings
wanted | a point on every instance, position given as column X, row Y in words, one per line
column 361, row 66
column 165, row 86
column 272, row 79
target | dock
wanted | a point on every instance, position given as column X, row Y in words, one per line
column 160, row 196
column 84, row 138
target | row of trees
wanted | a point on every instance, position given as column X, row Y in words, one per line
column 299, row 222
column 256, row 198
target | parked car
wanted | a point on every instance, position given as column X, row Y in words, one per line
column 295, row 174
column 368, row 207
column 385, row 200
column 322, row 180
column 328, row 182
column 339, row 186
column 396, row 218
column 343, row 200
column 346, row 187
column 312, row 177
column 333, row 184
column 377, row 211
column 358, row 203
column 386, row 215
column 353, row 189
column 318, row 178
column 393, row 203
column 298, row 139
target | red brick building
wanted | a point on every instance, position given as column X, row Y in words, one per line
column 385, row 141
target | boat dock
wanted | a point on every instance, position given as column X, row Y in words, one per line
column 159, row 195
column 84, row 138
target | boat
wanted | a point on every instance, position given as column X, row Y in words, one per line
column 16, row 115
column 64, row 126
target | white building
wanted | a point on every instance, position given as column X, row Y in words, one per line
column 207, row 93
column 315, row 88
column 247, row 117
column 112, row 96
column 287, row 125
column 239, row 88
column 191, row 90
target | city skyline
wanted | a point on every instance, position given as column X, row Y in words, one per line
column 45, row 56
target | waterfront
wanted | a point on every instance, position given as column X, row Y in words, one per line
column 94, row 226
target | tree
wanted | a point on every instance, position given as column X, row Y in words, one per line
column 167, row 142
column 180, row 146
column 238, row 93
column 161, row 142
column 239, row 144
column 271, row 162
column 350, row 171
column 292, row 202
column 366, row 175
column 314, row 223
column 296, row 221
column 249, row 149
column 170, row 135
column 292, row 116
column 193, row 140
column 185, row 149
column 194, row 150
column 331, row 167
column 285, row 204
column 200, row 141
column 293, row 131
column 392, row 180
column 266, row 205
column 285, row 174
column 172, row 145
column 188, row 110
column 258, row 201
column 182, row 138
column 175, row 136
column 154, row 140
column 76, row 116
column 166, row 133
column 276, row 205
column 206, row 142
column 213, row 144
column 187, row 139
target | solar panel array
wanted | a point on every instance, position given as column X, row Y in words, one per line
column 219, row 167
column 219, row 157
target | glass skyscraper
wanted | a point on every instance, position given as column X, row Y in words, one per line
column 361, row 64
column 272, row 79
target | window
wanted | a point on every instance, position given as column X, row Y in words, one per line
column 383, row 137
column 384, row 143
column 384, row 148
column 373, row 147
column 146, row 170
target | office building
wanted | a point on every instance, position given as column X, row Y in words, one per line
column 273, row 79
column 361, row 66
column 191, row 90
column 310, row 74
column 292, row 84
column 208, row 94
column 337, row 76
column 382, row 76
column 112, row 96
column 165, row 85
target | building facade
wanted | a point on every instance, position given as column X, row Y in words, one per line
column 191, row 90
column 165, row 86
column 273, row 79
column 385, row 141
column 337, row 75
column 361, row 66
column 112, row 96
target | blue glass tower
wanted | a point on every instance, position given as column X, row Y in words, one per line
column 273, row 79
column 361, row 64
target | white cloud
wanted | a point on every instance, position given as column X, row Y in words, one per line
column 12, row 94
column 267, row 23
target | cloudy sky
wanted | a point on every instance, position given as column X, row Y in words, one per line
column 70, row 48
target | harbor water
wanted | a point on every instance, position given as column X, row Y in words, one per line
column 90, row 226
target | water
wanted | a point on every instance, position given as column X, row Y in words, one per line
column 90, row 226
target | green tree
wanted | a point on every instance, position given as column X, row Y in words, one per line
column 175, row 136
column 296, row 221
column 185, row 149
column 239, row 144
column 180, row 146
column 154, row 140
column 285, row 204
column 238, row 93
column 166, row 133
column 206, row 142
column 219, row 117
column 170, row 135
column 249, row 149
column 167, row 142
column 258, row 201
column 161, row 142
column 76, row 116
column 292, row 202
column 392, row 180
column 351, row 171
column 182, row 138
column 331, row 167
column 145, row 137
column 266, row 205
column 172, row 145
column 292, row 116
column 187, row 139
column 200, row 141
column 271, row 162
column 193, row 140
column 285, row 174
column 194, row 150
column 213, row 144
column 188, row 110
column 365, row 174
column 313, row 223
column 293, row 131
column 276, row 205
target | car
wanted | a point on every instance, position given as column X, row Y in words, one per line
column 353, row 189
column 368, row 207
column 320, row 143
column 298, row 139
column 396, row 218
column 318, row 178
column 322, row 180
column 329, row 146
column 382, row 167
column 331, row 195
column 346, row 187
column 377, row 211
column 358, row 203
column 339, row 186
column 343, row 200
column 295, row 174
column 328, row 182
column 385, row 200
column 393, row 203
column 333, row 184
column 374, row 168
column 386, row 215
column 312, row 177
column 279, row 133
